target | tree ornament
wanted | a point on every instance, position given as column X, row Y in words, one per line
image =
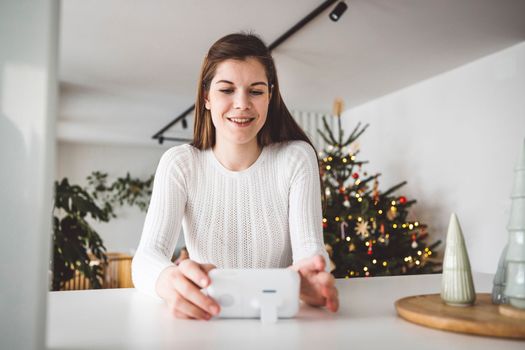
column 342, row 190
column 402, row 200
column 414, row 241
column 346, row 203
column 457, row 286
column 354, row 147
column 325, row 225
column 338, row 107
column 344, row 225
column 375, row 191
column 361, row 229
column 369, row 252
column 355, row 176
column 351, row 247
column 391, row 214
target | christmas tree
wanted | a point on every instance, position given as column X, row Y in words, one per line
column 366, row 231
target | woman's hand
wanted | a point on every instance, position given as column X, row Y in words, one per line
column 317, row 285
column 179, row 286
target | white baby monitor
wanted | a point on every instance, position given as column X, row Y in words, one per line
column 252, row 293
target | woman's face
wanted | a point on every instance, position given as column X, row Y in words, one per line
column 238, row 100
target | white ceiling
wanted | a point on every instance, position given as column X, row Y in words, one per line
column 131, row 66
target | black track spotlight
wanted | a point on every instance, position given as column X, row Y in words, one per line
column 338, row 11
column 184, row 123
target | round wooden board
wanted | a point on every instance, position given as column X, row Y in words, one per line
column 483, row 318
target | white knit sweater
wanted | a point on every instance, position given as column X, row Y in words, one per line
column 266, row 216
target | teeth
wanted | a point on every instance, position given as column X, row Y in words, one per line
column 240, row 120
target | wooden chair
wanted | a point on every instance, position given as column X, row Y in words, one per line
column 79, row 282
column 117, row 273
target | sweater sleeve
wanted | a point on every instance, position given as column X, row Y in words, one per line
column 163, row 221
column 305, row 211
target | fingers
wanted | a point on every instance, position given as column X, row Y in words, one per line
column 329, row 298
column 183, row 308
column 192, row 293
column 332, row 298
column 313, row 283
column 318, row 289
column 325, row 279
column 208, row 267
column 314, row 300
column 330, row 292
column 180, row 287
column 193, row 271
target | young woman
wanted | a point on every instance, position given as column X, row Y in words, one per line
column 246, row 191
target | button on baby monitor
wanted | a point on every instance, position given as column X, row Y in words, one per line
column 226, row 300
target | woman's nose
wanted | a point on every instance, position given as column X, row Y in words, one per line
column 241, row 100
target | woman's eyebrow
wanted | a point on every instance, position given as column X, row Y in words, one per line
column 252, row 84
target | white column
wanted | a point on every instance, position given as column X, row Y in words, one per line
column 28, row 86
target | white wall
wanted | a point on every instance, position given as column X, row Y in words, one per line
column 455, row 138
column 77, row 160
column 28, row 84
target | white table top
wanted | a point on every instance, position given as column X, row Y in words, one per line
column 126, row 319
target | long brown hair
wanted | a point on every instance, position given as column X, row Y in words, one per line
column 279, row 126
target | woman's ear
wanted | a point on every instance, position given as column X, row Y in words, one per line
column 206, row 101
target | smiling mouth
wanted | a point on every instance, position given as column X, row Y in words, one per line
column 241, row 121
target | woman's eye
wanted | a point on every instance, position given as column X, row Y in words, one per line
column 252, row 92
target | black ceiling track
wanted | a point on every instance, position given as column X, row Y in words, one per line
column 316, row 12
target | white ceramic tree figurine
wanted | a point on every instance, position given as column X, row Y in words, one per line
column 457, row 286
column 498, row 297
column 515, row 259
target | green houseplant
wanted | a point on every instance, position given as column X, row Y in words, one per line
column 74, row 240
